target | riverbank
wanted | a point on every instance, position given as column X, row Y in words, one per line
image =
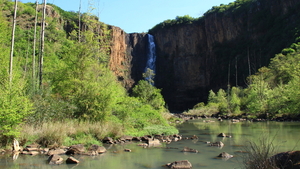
column 282, row 134
column 194, row 114
column 55, row 134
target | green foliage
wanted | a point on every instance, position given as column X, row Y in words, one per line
column 221, row 99
column 148, row 94
column 238, row 5
column 80, row 138
column 69, row 15
column 234, row 101
column 26, row 9
column 259, row 153
column 179, row 20
column 14, row 103
column 272, row 92
column 14, row 108
column 159, row 129
column 77, row 82
column 86, row 82
column 50, row 107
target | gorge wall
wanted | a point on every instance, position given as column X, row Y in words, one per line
column 128, row 56
column 217, row 50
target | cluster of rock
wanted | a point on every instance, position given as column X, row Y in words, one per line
column 179, row 164
column 284, row 160
column 54, row 153
column 186, row 164
column 149, row 139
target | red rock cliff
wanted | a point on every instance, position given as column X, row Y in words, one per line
column 127, row 56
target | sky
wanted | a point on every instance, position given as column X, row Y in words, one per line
column 137, row 15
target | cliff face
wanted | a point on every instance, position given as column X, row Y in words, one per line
column 127, row 56
column 222, row 49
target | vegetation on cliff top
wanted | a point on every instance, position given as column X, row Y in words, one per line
column 274, row 91
column 237, row 6
column 77, row 87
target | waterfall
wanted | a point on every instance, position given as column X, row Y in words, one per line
column 151, row 57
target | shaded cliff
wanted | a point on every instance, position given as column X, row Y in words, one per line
column 128, row 54
column 221, row 48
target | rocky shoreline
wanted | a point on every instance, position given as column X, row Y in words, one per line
column 148, row 141
column 54, row 153
column 219, row 117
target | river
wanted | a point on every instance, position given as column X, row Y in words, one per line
column 284, row 136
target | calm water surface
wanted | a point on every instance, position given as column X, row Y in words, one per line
column 285, row 136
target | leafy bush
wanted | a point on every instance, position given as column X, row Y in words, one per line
column 15, row 107
column 179, row 20
column 148, row 94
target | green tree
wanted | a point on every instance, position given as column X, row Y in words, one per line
column 148, row 94
column 212, row 98
column 222, row 101
column 235, row 101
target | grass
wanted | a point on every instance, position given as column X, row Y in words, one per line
column 200, row 111
column 56, row 134
column 259, row 153
column 68, row 133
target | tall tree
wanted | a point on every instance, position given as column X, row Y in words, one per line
column 12, row 42
column 42, row 44
column 34, row 46
column 249, row 67
column 79, row 22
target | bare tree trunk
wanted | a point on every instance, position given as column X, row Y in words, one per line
column 228, row 76
column 228, row 88
column 12, row 43
column 79, row 22
column 34, row 46
column 236, row 72
column 99, row 28
column 26, row 59
column 42, row 45
column 249, row 66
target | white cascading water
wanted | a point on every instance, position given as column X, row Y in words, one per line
column 151, row 58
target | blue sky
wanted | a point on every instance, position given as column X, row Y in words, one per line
column 138, row 15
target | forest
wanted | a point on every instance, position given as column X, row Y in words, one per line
column 56, row 87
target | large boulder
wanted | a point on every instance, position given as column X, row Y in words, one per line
column 225, row 155
column 287, row 160
column 76, row 149
column 96, row 148
column 153, row 142
column 72, row 160
column 180, row 164
column 222, row 135
column 186, row 149
column 194, row 137
column 108, row 140
column 217, row 144
column 56, row 151
column 55, row 159
column 126, row 138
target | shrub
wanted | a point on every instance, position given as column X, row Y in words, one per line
column 14, row 109
column 259, row 153
column 148, row 94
